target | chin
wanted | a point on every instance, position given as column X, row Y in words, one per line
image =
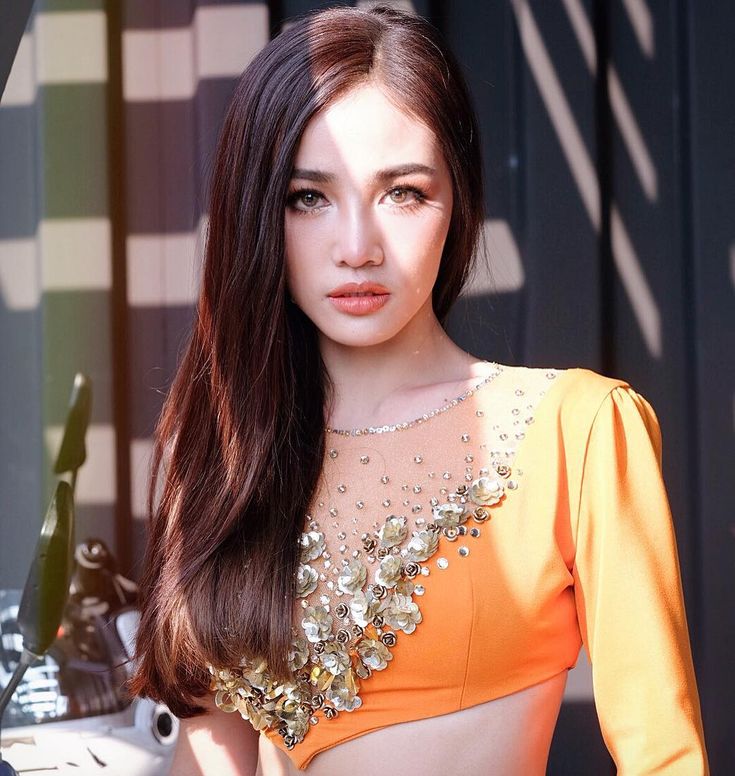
column 360, row 334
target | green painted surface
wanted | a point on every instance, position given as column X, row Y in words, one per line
column 74, row 141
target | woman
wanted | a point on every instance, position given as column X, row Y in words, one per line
column 376, row 548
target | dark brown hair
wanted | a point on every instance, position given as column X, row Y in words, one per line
column 240, row 440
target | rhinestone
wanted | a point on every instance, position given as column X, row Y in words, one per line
column 404, row 487
column 355, row 553
column 341, row 488
column 364, row 458
column 327, row 564
column 417, row 488
column 465, row 437
column 462, row 529
column 446, row 475
column 321, row 503
column 330, row 584
column 503, row 436
column 469, row 458
column 333, row 453
column 341, row 535
column 520, row 435
column 420, row 521
column 512, row 484
column 464, row 551
column 484, row 472
column 424, row 571
column 519, row 392
column 479, row 413
column 474, row 531
column 442, row 563
column 418, row 458
column 386, row 503
column 443, row 491
column 333, row 511
column 406, row 502
column 324, row 600
column 432, row 475
column 515, row 411
column 529, row 420
column 551, row 375
column 343, row 548
column 359, row 504
column 384, row 479
column 433, row 501
column 314, row 720
column 304, row 603
column 339, row 592
column 416, row 508
column 468, row 477
column 419, row 590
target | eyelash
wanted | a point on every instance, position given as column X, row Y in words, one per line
column 293, row 197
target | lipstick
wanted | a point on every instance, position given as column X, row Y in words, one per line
column 359, row 298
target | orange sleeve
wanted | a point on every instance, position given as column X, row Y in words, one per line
column 629, row 597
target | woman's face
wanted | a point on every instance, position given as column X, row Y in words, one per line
column 369, row 202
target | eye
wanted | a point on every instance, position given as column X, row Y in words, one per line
column 402, row 191
column 306, row 197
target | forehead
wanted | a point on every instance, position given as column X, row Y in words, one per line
column 365, row 129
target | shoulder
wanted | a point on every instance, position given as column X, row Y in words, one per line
column 571, row 398
column 570, row 384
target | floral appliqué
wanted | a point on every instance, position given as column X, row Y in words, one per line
column 341, row 645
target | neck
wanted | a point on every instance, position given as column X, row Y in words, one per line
column 377, row 381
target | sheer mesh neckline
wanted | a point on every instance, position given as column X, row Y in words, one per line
column 390, row 427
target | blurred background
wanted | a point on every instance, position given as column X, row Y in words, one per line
column 608, row 133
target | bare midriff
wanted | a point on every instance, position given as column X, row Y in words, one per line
column 507, row 736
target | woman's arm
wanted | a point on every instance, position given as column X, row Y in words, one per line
column 215, row 743
column 629, row 597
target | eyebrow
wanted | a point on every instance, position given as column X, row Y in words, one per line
column 381, row 176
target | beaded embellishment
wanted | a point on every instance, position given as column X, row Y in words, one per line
column 345, row 638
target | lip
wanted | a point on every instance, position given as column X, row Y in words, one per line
column 353, row 288
column 359, row 305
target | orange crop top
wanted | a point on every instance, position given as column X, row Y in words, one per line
column 469, row 554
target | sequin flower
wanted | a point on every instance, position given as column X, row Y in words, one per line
column 364, row 606
column 343, row 692
column 374, row 654
column 298, row 655
column 312, row 545
column 307, row 579
column 352, row 577
column 316, row 623
column 486, row 492
column 389, row 572
column 423, row 544
column 449, row 515
column 335, row 659
column 402, row 613
column 393, row 531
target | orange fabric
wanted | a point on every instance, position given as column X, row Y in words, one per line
column 583, row 551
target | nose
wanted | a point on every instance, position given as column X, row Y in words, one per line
column 359, row 239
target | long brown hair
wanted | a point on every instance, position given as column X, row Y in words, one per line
column 240, row 440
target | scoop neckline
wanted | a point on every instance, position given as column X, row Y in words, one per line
column 426, row 416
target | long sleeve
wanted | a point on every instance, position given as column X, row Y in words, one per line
column 629, row 597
